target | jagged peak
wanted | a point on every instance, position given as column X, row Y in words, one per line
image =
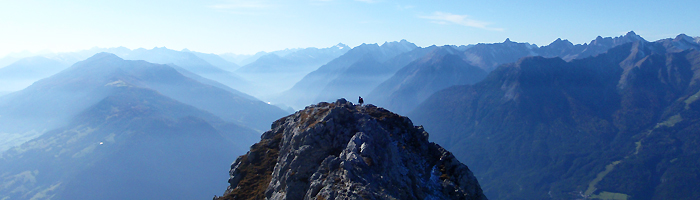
column 599, row 40
column 559, row 41
column 341, row 46
column 611, row 42
column 632, row 36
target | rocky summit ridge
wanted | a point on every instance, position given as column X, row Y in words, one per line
column 345, row 151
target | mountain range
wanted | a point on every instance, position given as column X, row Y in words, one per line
column 616, row 125
column 48, row 103
column 245, row 59
column 272, row 73
column 442, row 67
column 112, row 123
column 367, row 70
column 309, row 88
column 207, row 65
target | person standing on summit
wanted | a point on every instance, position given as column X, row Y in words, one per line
column 361, row 101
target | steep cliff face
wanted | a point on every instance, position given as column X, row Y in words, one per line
column 345, row 151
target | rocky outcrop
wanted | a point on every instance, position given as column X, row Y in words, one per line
column 345, row 151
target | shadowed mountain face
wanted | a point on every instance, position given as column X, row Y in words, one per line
column 345, row 151
column 490, row 56
column 308, row 89
column 439, row 69
column 48, row 103
column 133, row 144
column 367, row 73
column 620, row 124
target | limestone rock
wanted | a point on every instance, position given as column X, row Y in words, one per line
column 345, row 151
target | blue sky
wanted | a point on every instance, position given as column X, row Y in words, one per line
column 249, row 26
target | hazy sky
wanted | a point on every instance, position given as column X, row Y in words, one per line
column 249, row 26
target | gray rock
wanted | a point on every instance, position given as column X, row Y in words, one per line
column 345, row 151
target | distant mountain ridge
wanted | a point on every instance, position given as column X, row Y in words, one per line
column 298, row 60
column 215, row 60
column 150, row 130
column 208, row 65
column 440, row 68
column 357, row 75
column 308, row 89
column 367, row 73
column 49, row 102
column 272, row 73
column 490, row 56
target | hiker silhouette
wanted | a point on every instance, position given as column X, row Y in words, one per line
column 361, row 101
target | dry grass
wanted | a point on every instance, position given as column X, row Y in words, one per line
column 257, row 173
column 309, row 118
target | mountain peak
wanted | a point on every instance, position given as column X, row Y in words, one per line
column 507, row 41
column 684, row 37
column 345, row 151
column 102, row 56
column 632, row 36
column 341, row 46
column 561, row 43
column 610, row 42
